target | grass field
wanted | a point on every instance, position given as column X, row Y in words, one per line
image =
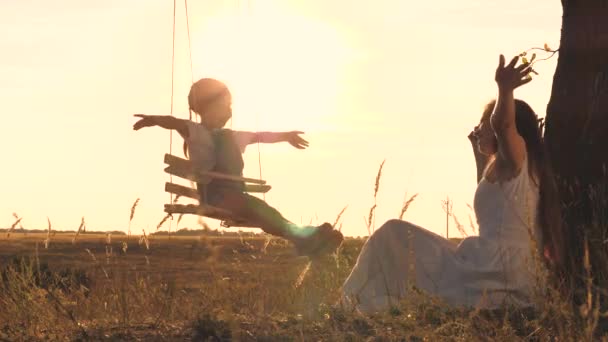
column 222, row 288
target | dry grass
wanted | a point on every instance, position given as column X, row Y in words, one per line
column 406, row 205
column 338, row 219
column 371, row 219
column 12, row 228
column 168, row 285
column 81, row 228
column 200, row 287
column 47, row 241
column 132, row 214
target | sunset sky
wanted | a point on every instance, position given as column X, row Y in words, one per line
column 398, row 80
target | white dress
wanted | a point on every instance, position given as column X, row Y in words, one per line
column 485, row 271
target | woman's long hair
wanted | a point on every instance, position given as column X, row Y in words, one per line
column 554, row 238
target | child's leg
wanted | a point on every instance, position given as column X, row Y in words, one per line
column 254, row 211
column 260, row 214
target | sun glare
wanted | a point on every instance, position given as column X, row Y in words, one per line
column 283, row 69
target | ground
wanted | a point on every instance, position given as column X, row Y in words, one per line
column 213, row 288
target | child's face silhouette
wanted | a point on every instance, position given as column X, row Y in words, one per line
column 218, row 113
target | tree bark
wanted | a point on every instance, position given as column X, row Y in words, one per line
column 576, row 131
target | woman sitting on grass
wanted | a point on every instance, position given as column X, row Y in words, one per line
column 211, row 147
column 517, row 211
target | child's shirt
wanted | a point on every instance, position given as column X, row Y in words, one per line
column 203, row 148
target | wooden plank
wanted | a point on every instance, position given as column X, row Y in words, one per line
column 177, row 161
column 261, row 188
column 202, row 210
column 232, row 178
column 181, row 190
column 207, row 211
column 183, row 173
column 183, row 168
column 186, row 191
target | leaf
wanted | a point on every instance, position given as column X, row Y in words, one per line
column 532, row 58
column 522, row 54
column 524, row 60
column 547, row 48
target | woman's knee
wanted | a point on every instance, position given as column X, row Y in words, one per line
column 393, row 224
column 392, row 227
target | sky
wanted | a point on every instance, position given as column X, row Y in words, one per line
column 394, row 80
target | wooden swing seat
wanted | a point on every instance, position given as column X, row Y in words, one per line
column 183, row 168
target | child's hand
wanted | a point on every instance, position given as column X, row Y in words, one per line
column 510, row 77
column 294, row 139
column 145, row 121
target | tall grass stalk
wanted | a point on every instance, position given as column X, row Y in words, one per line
column 339, row 216
column 80, row 229
column 132, row 214
column 47, row 241
column 406, row 205
column 17, row 221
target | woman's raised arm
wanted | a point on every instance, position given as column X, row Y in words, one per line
column 511, row 146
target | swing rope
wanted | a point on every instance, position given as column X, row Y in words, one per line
column 172, row 92
column 257, row 118
column 192, row 77
column 249, row 11
column 189, row 50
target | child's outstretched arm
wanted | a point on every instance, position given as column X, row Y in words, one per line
column 164, row 121
column 293, row 138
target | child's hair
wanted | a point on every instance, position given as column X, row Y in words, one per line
column 203, row 92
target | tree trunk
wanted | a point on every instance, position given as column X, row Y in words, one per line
column 576, row 129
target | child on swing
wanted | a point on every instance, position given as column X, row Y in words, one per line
column 211, row 147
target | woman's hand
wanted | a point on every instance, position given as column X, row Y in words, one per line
column 510, row 77
column 294, row 139
column 145, row 121
column 473, row 136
